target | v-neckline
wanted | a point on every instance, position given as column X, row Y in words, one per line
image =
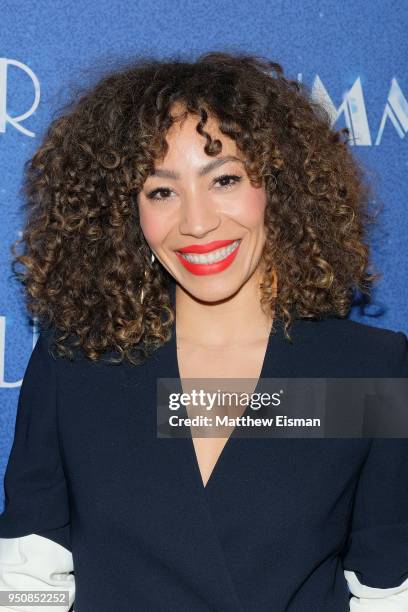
column 228, row 444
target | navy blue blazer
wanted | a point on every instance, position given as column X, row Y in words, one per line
column 277, row 523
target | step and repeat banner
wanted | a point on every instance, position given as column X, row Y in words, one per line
column 352, row 54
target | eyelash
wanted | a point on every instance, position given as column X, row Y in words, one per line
column 234, row 177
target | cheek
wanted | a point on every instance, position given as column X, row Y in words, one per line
column 153, row 225
column 250, row 208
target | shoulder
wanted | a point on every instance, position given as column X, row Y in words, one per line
column 364, row 350
column 353, row 331
column 40, row 361
column 46, row 347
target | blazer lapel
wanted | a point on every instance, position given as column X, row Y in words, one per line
column 199, row 553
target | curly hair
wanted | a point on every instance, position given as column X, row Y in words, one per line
column 86, row 262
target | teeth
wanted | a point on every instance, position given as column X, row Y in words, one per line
column 213, row 257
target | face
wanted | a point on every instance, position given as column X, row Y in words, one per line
column 201, row 216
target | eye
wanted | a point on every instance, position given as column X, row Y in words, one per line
column 153, row 194
column 228, row 177
column 231, row 178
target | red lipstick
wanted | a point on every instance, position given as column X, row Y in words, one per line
column 208, row 268
column 205, row 248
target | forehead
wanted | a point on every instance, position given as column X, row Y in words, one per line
column 183, row 135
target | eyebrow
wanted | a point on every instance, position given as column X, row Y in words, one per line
column 201, row 171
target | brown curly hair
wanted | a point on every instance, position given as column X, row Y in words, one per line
column 86, row 260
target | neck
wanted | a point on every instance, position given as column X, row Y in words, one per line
column 234, row 321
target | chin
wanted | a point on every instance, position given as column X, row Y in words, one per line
column 218, row 292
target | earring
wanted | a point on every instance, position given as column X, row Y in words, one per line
column 152, row 258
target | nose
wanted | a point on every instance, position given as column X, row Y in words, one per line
column 198, row 216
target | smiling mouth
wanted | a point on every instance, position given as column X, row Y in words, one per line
column 213, row 256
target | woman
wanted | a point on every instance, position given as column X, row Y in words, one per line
column 130, row 191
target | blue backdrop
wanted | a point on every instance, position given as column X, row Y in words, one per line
column 353, row 54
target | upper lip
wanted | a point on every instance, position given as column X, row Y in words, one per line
column 205, row 248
